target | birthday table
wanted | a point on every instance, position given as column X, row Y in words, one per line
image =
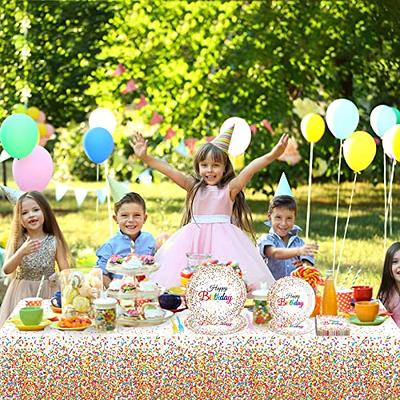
column 154, row 363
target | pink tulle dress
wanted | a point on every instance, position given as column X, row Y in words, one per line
column 211, row 232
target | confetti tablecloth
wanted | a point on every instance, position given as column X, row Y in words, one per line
column 154, row 363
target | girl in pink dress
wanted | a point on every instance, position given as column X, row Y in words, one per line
column 389, row 291
column 216, row 212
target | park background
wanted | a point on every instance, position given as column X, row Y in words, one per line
column 175, row 70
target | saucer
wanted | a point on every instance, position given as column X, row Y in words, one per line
column 78, row 328
column 21, row 327
column 378, row 320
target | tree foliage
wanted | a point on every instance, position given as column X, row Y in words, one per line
column 197, row 63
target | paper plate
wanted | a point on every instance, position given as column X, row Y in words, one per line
column 123, row 321
column 307, row 326
column 291, row 301
column 378, row 320
column 236, row 324
column 215, row 294
column 82, row 328
column 20, row 326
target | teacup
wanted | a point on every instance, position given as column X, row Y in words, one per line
column 33, row 302
column 56, row 299
column 169, row 301
column 31, row 315
column 362, row 293
column 367, row 311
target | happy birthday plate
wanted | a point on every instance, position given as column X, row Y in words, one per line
column 215, row 296
column 291, row 302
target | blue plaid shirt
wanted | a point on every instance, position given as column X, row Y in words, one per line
column 120, row 244
column 281, row 268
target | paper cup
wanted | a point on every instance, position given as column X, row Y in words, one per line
column 344, row 300
column 33, row 302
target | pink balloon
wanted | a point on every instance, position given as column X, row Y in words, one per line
column 42, row 117
column 50, row 129
column 34, row 171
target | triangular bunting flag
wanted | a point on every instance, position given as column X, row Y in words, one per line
column 145, row 177
column 4, row 156
column 61, row 189
column 80, row 195
column 12, row 194
column 101, row 195
column 118, row 189
column 181, row 149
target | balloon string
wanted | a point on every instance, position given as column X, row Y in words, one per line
column 390, row 197
column 97, row 202
column 110, row 221
column 309, row 188
column 337, row 207
column 385, row 203
column 346, row 226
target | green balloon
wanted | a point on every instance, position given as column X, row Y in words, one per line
column 397, row 115
column 19, row 135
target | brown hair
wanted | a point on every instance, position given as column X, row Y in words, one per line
column 130, row 197
column 282, row 201
column 388, row 283
column 50, row 224
column 241, row 216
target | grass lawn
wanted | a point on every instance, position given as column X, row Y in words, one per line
column 85, row 229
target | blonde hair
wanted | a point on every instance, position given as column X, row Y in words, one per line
column 50, row 224
column 241, row 216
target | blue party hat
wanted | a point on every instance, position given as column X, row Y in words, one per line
column 283, row 188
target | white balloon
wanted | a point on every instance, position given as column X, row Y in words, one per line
column 388, row 140
column 382, row 118
column 241, row 136
column 102, row 118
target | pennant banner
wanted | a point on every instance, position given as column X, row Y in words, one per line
column 80, row 195
column 60, row 191
column 11, row 194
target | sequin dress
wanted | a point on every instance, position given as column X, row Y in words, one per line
column 27, row 278
column 211, row 232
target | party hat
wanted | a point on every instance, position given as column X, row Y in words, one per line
column 223, row 140
column 12, row 194
column 118, row 189
column 283, row 188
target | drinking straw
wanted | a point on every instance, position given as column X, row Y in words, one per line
column 309, row 189
column 180, row 325
column 40, row 286
column 355, row 277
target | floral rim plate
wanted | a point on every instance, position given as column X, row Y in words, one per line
column 20, row 326
column 81, row 328
column 378, row 320
column 123, row 321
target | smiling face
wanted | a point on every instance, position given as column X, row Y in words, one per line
column 396, row 268
column 130, row 218
column 211, row 170
column 32, row 217
column 282, row 221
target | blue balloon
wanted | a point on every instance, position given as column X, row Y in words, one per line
column 98, row 144
column 342, row 118
column 382, row 118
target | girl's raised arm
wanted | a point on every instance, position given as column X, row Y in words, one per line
column 238, row 183
column 139, row 145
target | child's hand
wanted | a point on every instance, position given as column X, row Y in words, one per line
column 309, row 249
column 30, row 246
column 139, row 145
column 280, row 147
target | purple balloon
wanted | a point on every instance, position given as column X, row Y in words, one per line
column 34, row 171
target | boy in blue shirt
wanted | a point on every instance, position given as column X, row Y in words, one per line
column 130, row 215
column 282, row 249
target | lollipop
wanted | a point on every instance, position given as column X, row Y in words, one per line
column 310, row 274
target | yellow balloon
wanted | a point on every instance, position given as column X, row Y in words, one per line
column 42, row 129
column 312, row 127
column 359, row 150
column 396, row 143
column 33, row 112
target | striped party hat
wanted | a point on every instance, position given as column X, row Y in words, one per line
column 223, row 140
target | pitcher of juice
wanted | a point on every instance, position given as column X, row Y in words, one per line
column 329, row 301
